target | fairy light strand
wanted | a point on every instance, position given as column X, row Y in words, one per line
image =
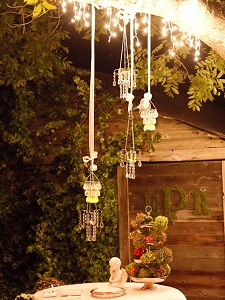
column 191, row 21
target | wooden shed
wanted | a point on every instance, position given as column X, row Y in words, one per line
column 187, row 161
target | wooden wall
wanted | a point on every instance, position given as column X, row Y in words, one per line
column 190, row 159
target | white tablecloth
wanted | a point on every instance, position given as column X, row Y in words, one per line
column 133, row 291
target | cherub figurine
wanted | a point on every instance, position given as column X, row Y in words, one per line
column 118, row 276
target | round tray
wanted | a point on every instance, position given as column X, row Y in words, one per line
column 113, row 293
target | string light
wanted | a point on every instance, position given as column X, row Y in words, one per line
column 190, row 18
column 189, row 32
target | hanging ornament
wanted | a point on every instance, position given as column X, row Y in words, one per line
column 129, row 155
column 128, row 159
column 92, row 187
column 148, row 111
column 123, row 76
column 91, row 217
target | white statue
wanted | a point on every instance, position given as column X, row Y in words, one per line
column 118, row 276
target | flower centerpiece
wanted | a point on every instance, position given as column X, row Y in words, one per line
column 151, row 258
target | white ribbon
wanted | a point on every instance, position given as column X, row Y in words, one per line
column 92, row 93
column 130, row 98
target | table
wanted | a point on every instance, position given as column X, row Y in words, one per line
column 133, row 291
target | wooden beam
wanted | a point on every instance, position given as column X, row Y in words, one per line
column 124, row 222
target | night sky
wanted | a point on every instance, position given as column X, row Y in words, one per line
column 107, row 54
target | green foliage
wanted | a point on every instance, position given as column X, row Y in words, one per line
column 169, row 208
column 34, row 89
column 100, row 27
column 43, row 127
column 40, row 7
column 206, row 78
column 164, row 71
column 43, row 130
column 208, row 81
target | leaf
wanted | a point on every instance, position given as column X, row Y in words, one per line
column 37, row 10
column 48, row 5
column 31, row 2
column 190, row 103
column 221, row 73
column 174, row 90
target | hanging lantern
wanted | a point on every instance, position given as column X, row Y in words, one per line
column 124, row 76
column 129, row 155
column 91, row 219
column 92, row 187
column 148, row 111
column 128, row 159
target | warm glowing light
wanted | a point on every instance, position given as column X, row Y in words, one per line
column 148, row 113
column 190, row 17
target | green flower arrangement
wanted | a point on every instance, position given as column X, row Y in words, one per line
column 151, row 258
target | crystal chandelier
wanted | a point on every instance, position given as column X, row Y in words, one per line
column 129, row 155
column 124, row 73
column 91, row 218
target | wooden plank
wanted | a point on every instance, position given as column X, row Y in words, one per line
column 182, row 155
column 184, row 143
column 169, row 128
column 196, row 234
column 197, row 242
column 124, row 221
column 201, row 258
column 223, row 183
column 198, row 285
